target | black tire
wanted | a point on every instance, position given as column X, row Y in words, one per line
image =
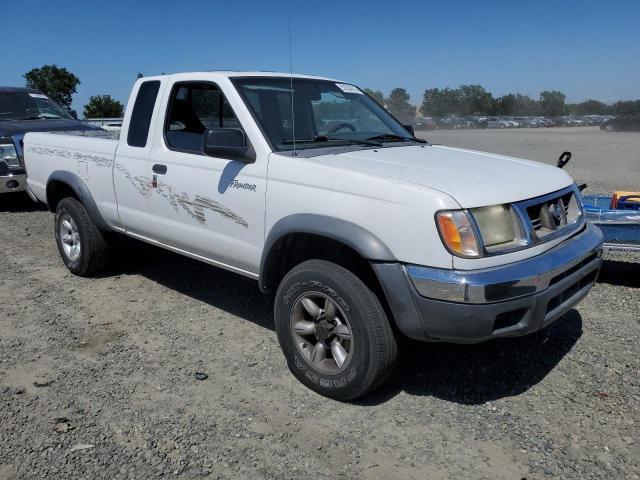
column 93, row 247
column 373, row 352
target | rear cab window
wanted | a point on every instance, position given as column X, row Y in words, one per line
column 141, row 114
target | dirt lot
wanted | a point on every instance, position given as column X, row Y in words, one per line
column 97, row 375
column 602, row 160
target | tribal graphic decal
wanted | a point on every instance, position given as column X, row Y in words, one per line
column 140, row 183
column 99, row 160
column 143, row 185
column 194, row 208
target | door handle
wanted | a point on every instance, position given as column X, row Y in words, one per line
column 159, row 169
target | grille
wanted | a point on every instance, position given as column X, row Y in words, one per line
column 552, row 214
column 573, row 269
column 570, row 291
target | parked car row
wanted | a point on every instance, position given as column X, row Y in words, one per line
column 483, row 121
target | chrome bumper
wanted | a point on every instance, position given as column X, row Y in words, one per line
column 513, row 280
column 507, row 301
column 13, row 182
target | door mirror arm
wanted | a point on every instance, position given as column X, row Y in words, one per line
column 410, row 129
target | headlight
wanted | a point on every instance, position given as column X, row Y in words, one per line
column 474, row 232
column 8, row 153
column 457, row 234
column 500, row 228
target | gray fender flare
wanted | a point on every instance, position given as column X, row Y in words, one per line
column 365, row 243
column 82, row 191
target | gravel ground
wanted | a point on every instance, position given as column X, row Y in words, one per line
column 97, row 376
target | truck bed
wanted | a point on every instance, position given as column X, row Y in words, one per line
column 89, row 155
column 108, row 134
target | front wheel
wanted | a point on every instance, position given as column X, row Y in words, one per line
column 81, row 245
column 333, row 331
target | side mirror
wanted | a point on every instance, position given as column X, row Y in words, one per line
column 226, row 143
column 74, row 114
column 409, row 128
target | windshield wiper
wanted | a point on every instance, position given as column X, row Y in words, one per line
column 393, row 136
column 324, row 138
column 366, row 141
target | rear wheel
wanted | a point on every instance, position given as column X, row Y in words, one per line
column 333, row 331
column 81, row 245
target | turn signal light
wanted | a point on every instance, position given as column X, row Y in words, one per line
column 457, row 234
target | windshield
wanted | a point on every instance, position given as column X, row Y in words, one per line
column 28, row 106
column 326, row 113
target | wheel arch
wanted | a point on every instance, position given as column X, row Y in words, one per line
column 300, row 237
column 62, row 184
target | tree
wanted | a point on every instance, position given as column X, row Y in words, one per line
column 589, row 107
column 57, row 83
column 625, row 106
column 377, row 95
column 552, row 103
column 516, row 104
column 438, row 102
column 507, row 105
column 399, row 106
column 103, row 106
column 474, row 99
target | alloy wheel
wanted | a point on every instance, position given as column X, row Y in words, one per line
column 70, row 237
column 321, row 332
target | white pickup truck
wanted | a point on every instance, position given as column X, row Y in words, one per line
column 309, row 186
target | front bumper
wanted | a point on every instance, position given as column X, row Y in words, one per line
column 510, row 300
column 13, row 182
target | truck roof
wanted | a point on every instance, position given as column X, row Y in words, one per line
column 236, row 73
column 18, row 90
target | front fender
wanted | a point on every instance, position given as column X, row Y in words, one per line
column 365, row 243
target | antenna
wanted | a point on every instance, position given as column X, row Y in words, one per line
column 293, row 115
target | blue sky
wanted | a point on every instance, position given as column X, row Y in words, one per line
column 585, row 48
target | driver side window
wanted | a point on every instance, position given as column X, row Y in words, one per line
column 333, row 114
column 195, row 107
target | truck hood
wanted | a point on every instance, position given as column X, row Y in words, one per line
column 16, row 127
column 472, row 178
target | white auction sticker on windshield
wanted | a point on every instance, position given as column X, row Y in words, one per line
column 346, row 88
column 37, row 95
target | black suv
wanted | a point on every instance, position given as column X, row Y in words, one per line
column 624, row 123
column 24, row 110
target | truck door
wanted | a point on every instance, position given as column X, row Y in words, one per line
column 210, row 207
column 130, row 171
